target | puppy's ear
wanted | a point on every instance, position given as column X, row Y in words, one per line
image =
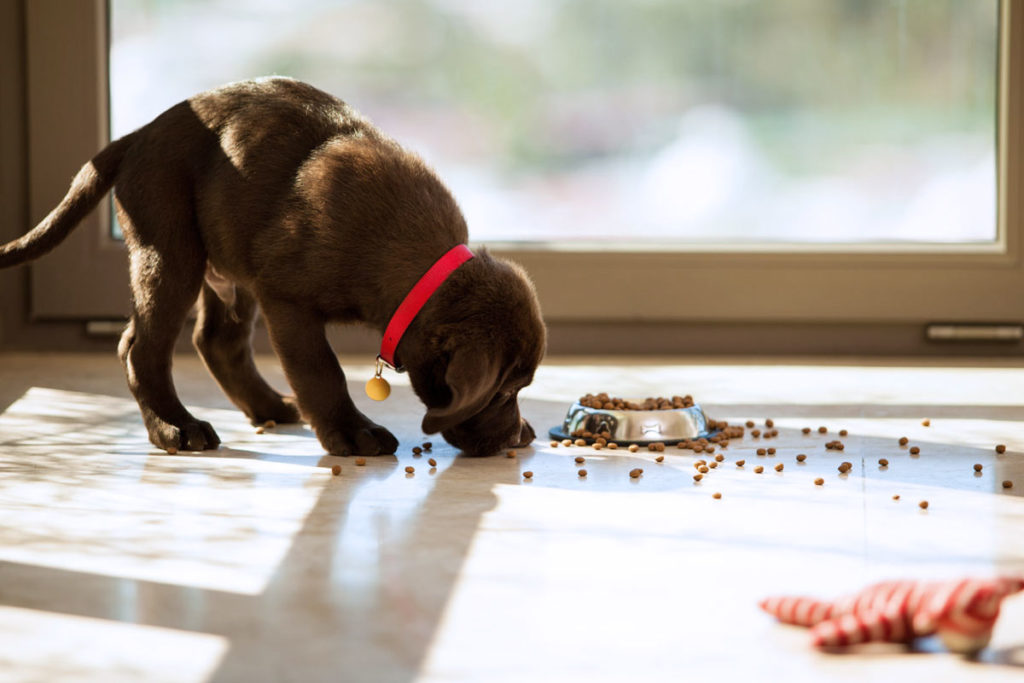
column 472, row 377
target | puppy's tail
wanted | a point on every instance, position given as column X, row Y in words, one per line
column 87, row 189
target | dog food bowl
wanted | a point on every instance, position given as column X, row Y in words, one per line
column 634, row 426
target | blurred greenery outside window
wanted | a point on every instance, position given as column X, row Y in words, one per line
column 648, row 122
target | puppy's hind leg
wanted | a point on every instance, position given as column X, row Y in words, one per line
column 165, row 283
column 223, row 337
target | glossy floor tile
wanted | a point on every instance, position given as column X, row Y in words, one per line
column 119, row 562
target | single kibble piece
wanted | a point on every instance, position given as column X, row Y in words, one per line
column 597, row 446
column 750, row 423
column 761, row 451
column 580, row 458
column 581, row 442
column 914, row 450
column 554, row 444
column 360, row 462
column 410, row 469
column 719, row 457
column 566, row 442
column 582, row 473
column 633, row 448
column 896, row 496
column 740, row 463
column 845, row 467
column 977, row 467
column 698, row 477
column 172, row 451
column 843, row 432
column 769, row 423
column 819, row 481
column 613, row 446
column 801, row 457
column 1007, row 484
column 336, row 470
column 904, row 441
column 823, row 430
column 703, row 469
column 427, row 445
column 926, row 423
column 924, row 503
column 778, row 468
column 510, row 454
column 660, row 458
column 635, row 473
column 716, row 495
column 755, row 433
column 527, row 474
column 806, row 430
column 883, row 462
column 431, row 462
column 771, row 451
column 1001, row 448
column 713, row 464
column 758, row 469
column 416, row 450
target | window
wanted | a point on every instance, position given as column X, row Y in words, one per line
column 683, row 164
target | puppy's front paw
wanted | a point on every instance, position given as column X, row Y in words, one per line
column 369, row 439
column 189, row 435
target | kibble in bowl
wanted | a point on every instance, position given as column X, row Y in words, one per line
column 638, row 422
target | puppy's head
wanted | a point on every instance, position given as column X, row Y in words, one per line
column 477, row 345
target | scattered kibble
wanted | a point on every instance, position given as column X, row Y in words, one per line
column 554, row 444
column 580, row 458
column 416, row 450
column 924, row 503
column 769, row 423
column 361, row 462
column 1007, row 484
column 510, row 454
column 761, row 451
column 819, row 481
column 779, row 467
column 823, row 430
column 843, row 432
column 613, row 446
column 431, row 462
column 635, row 473
column 719, row 458
column 755, row 433
column 597, row 446
column 567, row 442
column 977, row 467
column 845, row 467
column 659, row 458
column 1001, row 448
column 914, row 450
column 904, row 441
column 527, row 474
column 633, row 448
column 806, row 430
column 336, row 470
column 698, row 477
column 740, row 463
column 582, row 473
column 409, row 469
column 926, row 423
column 713, row 464
column 749, row 423
column 427, row 445
column 716, row 495
column 581, row 442
column 801, row 457
column 703, row 469
column 883, row 462
column 771, row 451
column 758, row 469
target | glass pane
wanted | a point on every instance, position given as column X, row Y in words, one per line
column 669, row 122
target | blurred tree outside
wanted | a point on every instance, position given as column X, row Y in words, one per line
column 643, row 122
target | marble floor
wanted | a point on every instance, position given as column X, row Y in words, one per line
column 119, row 562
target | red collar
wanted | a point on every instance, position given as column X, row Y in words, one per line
column 417, row 297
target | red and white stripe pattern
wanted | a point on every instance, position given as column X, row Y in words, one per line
column 962, row 612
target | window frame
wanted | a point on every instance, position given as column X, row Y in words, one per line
column 852, row 285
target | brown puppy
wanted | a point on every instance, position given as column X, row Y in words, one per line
column 272, row 194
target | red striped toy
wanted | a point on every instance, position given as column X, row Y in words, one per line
column 962, row 612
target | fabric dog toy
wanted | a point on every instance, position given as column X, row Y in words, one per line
column 962, row 612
